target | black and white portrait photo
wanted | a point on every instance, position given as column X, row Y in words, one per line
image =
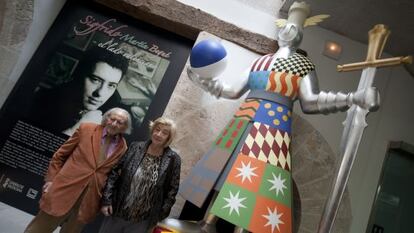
column 92, row 59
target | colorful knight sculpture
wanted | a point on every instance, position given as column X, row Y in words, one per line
column 250, row 163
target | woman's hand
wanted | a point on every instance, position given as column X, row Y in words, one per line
column 106, row 210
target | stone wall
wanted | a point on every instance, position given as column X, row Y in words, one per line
column 15, row 19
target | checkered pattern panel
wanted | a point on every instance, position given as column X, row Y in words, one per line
column 295, row 65
column 269, row 145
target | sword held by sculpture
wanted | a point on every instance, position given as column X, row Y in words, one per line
column 251, row 179
column 355, row 123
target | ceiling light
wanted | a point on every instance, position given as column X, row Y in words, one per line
column 332, row 50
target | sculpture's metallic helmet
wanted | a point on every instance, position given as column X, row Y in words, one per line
column 291, row 34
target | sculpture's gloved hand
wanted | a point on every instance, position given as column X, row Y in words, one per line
column 210, row 85
column 367, row 98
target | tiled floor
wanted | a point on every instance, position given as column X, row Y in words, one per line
column 13, row 220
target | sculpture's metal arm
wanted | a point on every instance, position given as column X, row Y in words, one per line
column 220, row 89
column 314, row 101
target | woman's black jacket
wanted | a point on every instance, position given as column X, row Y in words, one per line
column 119, row 181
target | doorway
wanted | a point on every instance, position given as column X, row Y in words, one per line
column 393, row 207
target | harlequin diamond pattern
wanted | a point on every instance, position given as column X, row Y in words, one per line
column 269, row 145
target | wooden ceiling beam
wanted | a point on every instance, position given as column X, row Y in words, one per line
column 188, row 21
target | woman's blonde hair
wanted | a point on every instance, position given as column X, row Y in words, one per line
column 167, row 122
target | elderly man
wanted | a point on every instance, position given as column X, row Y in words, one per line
column 77, row 173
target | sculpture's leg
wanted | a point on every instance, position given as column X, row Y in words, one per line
column 208, row 225
column 240, row 230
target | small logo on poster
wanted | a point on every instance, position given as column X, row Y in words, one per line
column 10, row 184
column 32, row 193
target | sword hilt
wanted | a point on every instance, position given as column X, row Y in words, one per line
column 394, row 61
column 377, row 38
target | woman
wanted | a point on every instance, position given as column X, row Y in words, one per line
column 141, row 188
